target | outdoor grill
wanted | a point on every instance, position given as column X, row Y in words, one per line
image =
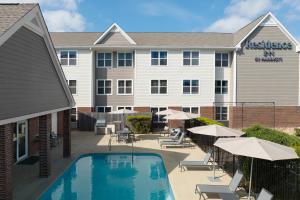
column 100, row 126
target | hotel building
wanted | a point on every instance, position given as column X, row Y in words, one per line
column 251, row 75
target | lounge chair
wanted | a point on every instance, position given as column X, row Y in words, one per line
column 175, row 143
column 264, row 195
column 222, row 190
column 171, row 138
column 196, row 163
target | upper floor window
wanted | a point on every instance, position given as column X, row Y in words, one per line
column 124, row 59
column 194, row 110
column 124, row 87
column 159, row 86
column 104, row 87
column 104, row 60
column 159, row 58
column 190, row 58
column 221, row 87
column 124, row 107
column 73, row 115
column 190, row 86
column 221, row 113
column 158, row 118
column 103, row 109
column 72, row 86
column 221, row 59
column 68, row 58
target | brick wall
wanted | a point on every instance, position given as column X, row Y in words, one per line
column 175, row 123
column 207, row 112
column 33, row 131
column 142, row 109
column 85, row 109
column 44, row 143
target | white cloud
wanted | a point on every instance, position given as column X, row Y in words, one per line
column 60, row 15
column 238, row 13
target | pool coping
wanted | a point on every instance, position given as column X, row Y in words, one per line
column 76, row 158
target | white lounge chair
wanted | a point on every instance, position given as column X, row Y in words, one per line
column 175, row 143
column 171, row 138
column 196, row 163
column 222, row 190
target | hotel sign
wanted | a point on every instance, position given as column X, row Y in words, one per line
column 269, row 49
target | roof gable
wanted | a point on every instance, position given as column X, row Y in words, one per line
column 115, row 35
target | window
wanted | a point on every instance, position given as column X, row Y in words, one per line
column 221, row 59
column 68, row 58
column 159, row 58
column 124, row 107
column 124, row 87
column 190, row 58
column 103, row 109
column 124, row 59
column 72, row 86
column 104, row 87
column 104, row 60
column 159, row 86
column 158, row 118
column 190, row 86
column 194, row 110
column 221, row 87
column 73, row 115
column 221, row 113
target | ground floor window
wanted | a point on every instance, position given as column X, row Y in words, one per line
column 194, row 110
column 73, row 115
column 158, row 118
column 103, row 109
column 124, row 107
column 221, row 113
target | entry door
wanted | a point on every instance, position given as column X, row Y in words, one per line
column 22, row 140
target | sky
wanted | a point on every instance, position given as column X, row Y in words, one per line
column 164, row 15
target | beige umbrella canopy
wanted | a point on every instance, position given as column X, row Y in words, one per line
column 181, row 116
column 256, row 148
column 216, row 130
column 168, row 112
column 123, row 111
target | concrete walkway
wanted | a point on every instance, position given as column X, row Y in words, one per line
column 27, row 185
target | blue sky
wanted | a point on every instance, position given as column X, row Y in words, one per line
column 164, row 15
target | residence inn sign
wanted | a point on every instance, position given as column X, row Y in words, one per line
column 269, row 49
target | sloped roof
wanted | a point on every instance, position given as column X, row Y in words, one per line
column 11, row 13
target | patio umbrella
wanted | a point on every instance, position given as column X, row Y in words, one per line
column 123, row 112
column 181, row 116
column 168, row 112
column 256, row 148
column 216, row 131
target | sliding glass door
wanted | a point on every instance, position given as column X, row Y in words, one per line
column 21, row 140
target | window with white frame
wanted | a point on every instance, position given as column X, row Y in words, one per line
column 68, row 57
column 124, row 59
column 73, row 115
column 158, row 118
column 191, row 58
column 221, row 87
column 104, row 87
column 221, row 113
column 72, row 86
column 159, row 86
column 124, row 87
column 194, row 110
column 124, row 107
column 221, row 59
column 190, row 86
column 103, row 109
column 104, row 60
column 159, row 58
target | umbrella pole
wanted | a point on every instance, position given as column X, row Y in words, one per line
column 250, row 182
column 214, row 163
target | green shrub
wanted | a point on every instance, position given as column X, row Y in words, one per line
column 139, row 124
column 297, row 132
column 207, row 121
column 274, row 136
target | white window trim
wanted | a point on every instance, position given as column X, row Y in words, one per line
column 104, row 108
column 68, row 57
column 104, row 67
column 228, row 66
column 152, row 50
column 166, row 121
column 111, row 92
column 124, row 106
column 131, row 66
column 221, row 113
column 222, row 87
column 159, row 94
column 190, row 107
column 191, row 87
column 199, row 59
column 125, row 94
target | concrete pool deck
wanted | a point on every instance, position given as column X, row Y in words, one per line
column 27, row 184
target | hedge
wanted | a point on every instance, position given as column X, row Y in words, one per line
column 207, row 121
column 139, row 124
column 274, row 136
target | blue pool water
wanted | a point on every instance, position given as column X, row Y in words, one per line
column 114, row 177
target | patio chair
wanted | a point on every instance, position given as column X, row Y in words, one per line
column 264, row 195
column 227, row 190
column 171, row 138
column 175, row 143
column 196, row 163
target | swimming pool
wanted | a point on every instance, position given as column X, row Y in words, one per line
column 113, row 176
